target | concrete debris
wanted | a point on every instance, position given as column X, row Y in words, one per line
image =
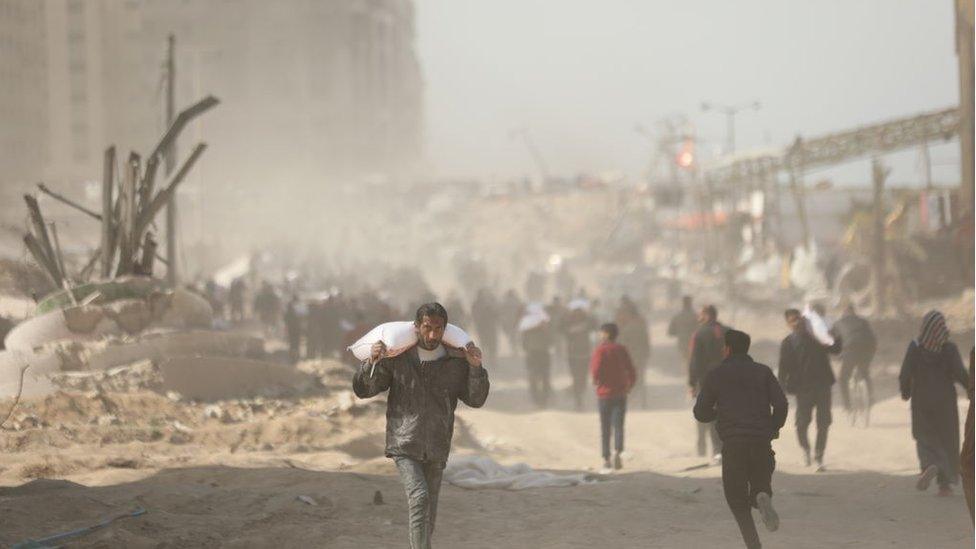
column 213, row 411
column 136, row 376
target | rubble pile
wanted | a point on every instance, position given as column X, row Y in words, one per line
column 125, row 417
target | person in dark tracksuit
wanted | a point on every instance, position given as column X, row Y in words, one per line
column 425, row 384
column 578, row 325
column 537, row 344
column 705, row 353
column 293, row 329
column 931, row 368
column 860, row 344
column 614, row 376
column 804, row 371
column 683, row 325
column 636, row 337
column 747, row 404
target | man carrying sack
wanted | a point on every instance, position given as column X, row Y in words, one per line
column 425, row 383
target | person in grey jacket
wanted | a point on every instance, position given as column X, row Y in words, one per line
column 425, row 383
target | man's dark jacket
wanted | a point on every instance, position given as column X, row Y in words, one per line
column 804, row 365
column 423, row 396
column 860, row 343
column 744, row 399
column 706, row 351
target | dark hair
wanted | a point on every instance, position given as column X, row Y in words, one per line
column 611, row 330
column 790, row 312
column 711, row 311
column 432, row 310
column 737, row 342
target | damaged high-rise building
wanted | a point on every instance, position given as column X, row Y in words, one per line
column 313, row 91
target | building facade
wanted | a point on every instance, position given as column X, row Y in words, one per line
column 310, row 90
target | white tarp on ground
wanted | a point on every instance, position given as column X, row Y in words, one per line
column 481, row 473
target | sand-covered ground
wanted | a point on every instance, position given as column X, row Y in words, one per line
column 230, row 474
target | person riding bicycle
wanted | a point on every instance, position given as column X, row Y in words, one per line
column 860, row 344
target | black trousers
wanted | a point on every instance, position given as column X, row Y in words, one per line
column 747, row 470
column 612, row 412
column 538, row 364
column 578, row 369
column 818, row 399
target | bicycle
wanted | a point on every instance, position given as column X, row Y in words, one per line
column 860, row 410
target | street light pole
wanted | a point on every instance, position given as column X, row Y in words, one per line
column 730, row 111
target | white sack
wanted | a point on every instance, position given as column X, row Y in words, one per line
column 818, row 326
column 481, row 473
column 400, row 336
column 580, row 304
column 535, row 315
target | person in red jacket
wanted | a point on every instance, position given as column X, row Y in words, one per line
column 614, row 376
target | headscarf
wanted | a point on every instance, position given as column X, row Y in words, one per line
column 934, row 332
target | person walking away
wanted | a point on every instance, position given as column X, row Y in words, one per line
column 537, row 343
column 635, row 336
column 578, row 326
column 804, row 370
column 557, row 324
column 236, row 298
column 215, row 298
column 614, row 376
column 682, row 326
column 425, row 384
column 293, row 329
column 484, row 312
column 928, row 372
column 749, row 408
column 313, row 330
column 859, row 346
column 267, row 305
column 459, row 315
column 966, row 456
column 509, row 314
column 704, row 353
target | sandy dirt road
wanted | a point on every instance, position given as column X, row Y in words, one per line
column 211, row 497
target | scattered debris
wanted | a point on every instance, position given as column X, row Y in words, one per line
column 307, row 500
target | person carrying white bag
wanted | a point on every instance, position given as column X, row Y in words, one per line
column 426, row 373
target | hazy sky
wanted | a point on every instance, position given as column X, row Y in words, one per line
column 581, row 73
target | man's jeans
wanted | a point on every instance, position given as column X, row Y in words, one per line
column 612, row 412
column 422, row 482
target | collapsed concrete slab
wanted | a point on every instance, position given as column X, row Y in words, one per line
column 106, row 354
column 219, row 378
column 160, row 346
column 177, row 309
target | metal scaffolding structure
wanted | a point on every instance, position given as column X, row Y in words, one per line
column 836, row 148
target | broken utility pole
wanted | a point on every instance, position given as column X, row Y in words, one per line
column 172, row 275
column 878, row 260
